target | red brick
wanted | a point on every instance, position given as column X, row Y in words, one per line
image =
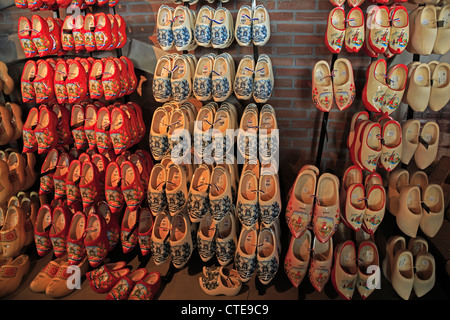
column 296, row 5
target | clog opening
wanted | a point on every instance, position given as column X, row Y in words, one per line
column 412, row 133
column 74, row 70
column 88, row 173
column 157, row 178
column 419, row 178
column 152, row 278
column 392, row 135
column 405, row 265
column 428, row 17
column 50, row 161
column 268, row 188
column 89, row 23
column 400, row 18
column 422, row 75
column 177, row 121
column 103, row 120
column 218, row 181
column 204, row 67
column 206, row 227
column 355, row 198
column 342, row 73
column 78, row 226
column 433, row 199
column 205, row 120
column 68, row 24
column 367, row 256
column 414, row 201
column 37, row 25
column 201, row 179
column 164, row 17
column 301, row 247
column 94, row 229
column 116, row 119
column 248, row 243
column 44, row 219
column 74, row 171
column 222, row 120
column 91, row 116
column 265, row 243
column 305, row 188
column 24, row 24
column 63, row 165
column 348, row 259
column 178, row 229
column 441, row 77
column 145, row 221
column 430, row 133
column 356, row 18
column 129, row 219
column 248, row 187
column 58, row 221
column 424, row 268
column 399, row 76
column 327, row 192
column 373, row 136
column 79, row 22
column 322, row 74
column 77, row 115
column 174, row 178
column 32, row 118
column 162, row 227
column 375, row 201
column 338, row 18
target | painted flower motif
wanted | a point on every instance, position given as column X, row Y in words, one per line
column 197, row 206
column 160, row 251
column 266, row 270
column 247, row 213
column 202, row 34
column 181, row 37
column 221, row 207
column 219, row 35
column 263, row 89
column 180, row 90
column 129, row 240
column 28, row 93
column 162, row 88
column 202, row 87
column 259, row 33
column 220, row 88
column 180, row 253
column 244, row 34
column 269, row 213
column 164, row 37
column 206, row 248
column 245, row 266
column 75, row 252
column 225, row 250
column 176, row 201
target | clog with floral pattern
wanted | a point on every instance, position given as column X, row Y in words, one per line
column 43, row 82
column 24, row 31
column 75, row 238
column 102, row 31
column 46, row 130
column 125, row 285
column 40, row 35
column 96, row 240
column 102, row 128
column 76, row 82
column 113, row 192
column 131, row 186
column 89, row 184
column 41, row 230
column 111, row 80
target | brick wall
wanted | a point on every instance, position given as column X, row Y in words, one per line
column 296, row 44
